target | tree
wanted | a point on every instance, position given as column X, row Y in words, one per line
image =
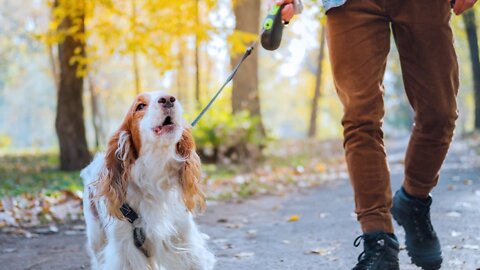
column 245, row 93
column 472, row 36
column 69, row 122
column 312, row 131
column 135, row 65
column 197, row 57
column 97, row 120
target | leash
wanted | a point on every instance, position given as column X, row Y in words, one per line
column 229, row 78
column 270, row 37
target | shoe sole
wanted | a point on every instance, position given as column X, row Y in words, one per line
column 423, row 266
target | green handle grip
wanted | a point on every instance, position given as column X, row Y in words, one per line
column 272, row 29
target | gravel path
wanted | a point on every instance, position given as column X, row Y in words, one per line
column 256, row 233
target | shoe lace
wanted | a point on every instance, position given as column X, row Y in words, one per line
column 423, row 224
column 369, row 256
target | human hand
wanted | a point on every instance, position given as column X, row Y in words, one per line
column 461, row 6
column 291, row 8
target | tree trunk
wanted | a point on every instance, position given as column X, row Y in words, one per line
column 136, row 73
column 53, row 62
column 69, row 122
column 245, row 93
column 96, row 114
column 136, row 68
column 312, row 131
column 54, row 67
column 197, row 59
column 182, row 74
column 471, row 29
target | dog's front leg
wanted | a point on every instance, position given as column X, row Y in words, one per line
column 187, row 250
column 121, row 252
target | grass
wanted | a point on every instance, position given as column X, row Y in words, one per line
column 38, row 173
column 34, row 173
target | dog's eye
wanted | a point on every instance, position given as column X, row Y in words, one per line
column 140, row 107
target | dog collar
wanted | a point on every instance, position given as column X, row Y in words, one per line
column 139, row 236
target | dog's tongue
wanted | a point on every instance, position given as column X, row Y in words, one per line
column 158, row 130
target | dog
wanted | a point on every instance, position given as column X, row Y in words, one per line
column 140, row 196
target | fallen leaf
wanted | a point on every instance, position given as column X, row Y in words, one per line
column 244, row 254
column 219, row 240
column 293, row 218
column 455, row 233
column 454, row 214
column 251, row 233
column 299, row 170
column 324, row 215
column 222, row 220
column 79, row 227
column 73, row 233
column 451, row 187
column 319, row 251
column 467, row 182
column 233, row 225
column 48, row 230
column 286, row 242
column 9, row 250
column 321, row 167
column 472, row 247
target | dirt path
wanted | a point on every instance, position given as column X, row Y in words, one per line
column 255, row 234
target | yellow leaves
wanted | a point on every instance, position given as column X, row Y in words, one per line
column 321, row 167
column 150, row 28
column 53, row 25
column 293, row 218
column 77, row 50
column 239, row 41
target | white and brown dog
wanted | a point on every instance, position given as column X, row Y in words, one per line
column 140, row 195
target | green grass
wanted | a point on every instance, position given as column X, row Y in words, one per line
column 34, row 173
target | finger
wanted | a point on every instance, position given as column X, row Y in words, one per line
column 273, row 2
column 469, row 4
column 457, row 8
column 288, row 12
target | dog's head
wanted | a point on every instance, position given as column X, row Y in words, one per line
column 153, row 124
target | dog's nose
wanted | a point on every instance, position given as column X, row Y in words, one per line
column 167, row 101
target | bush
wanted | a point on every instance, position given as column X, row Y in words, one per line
column 225, row 138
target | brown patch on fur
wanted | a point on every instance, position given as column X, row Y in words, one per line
column 122, row 151
column 190, row 173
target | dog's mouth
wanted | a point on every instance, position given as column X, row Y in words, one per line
column 167, row 126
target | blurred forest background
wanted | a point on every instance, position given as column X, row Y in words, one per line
column 69, row 69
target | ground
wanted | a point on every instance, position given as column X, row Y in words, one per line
column 309, row 229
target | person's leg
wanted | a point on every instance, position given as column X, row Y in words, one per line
column 429, row 65
column 358, row 36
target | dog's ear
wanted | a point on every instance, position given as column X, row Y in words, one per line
column 113, row 184
column 190, row 173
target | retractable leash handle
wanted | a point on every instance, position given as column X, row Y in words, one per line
column 272, row 29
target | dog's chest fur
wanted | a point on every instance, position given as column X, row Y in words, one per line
column 155, row 194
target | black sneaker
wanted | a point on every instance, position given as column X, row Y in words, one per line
column 422, row 243
column 380, row 252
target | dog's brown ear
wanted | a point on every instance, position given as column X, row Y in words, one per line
column 190, row 173
column 113, row 184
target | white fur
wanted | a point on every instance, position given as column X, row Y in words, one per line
column 173, row 239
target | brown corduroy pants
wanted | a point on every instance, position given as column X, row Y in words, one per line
column 358, row 35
